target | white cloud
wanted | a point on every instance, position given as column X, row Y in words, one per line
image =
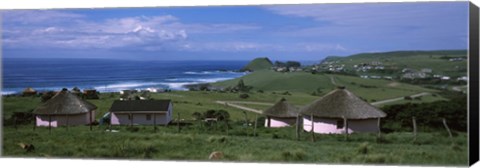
column 67, row 30
column 313, row 47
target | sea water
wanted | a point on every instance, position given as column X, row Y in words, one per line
column 112, row 75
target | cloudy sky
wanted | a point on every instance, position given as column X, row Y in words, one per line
column 282, row 32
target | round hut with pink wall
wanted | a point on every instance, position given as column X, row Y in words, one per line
column 64, row 109
column 340, row 111
column 281, row 114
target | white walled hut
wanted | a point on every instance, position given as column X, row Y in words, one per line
column 141, row 112
column 281, row 114
column 64, row 109
column 340, row 111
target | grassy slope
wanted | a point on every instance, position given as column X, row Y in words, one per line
column 271, row 145
column 274, row 81
column 307, row 83
column 416, row 60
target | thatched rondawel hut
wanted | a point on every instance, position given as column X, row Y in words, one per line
column 331, row 111
column 29, row 92
column 281, row 114
column 65, row 108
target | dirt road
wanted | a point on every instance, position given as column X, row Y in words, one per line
column 239, row 106
column 399, row 98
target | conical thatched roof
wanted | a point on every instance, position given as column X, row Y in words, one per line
column 282, row 109
column 65, row 102
column 342, row 103
column 29, row 90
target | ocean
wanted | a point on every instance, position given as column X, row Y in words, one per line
column 111, row 75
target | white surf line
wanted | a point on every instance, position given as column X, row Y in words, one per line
column 399, row 98
column 239, row 106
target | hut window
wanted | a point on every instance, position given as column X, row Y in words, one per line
column 149, row 117
column 339, row 124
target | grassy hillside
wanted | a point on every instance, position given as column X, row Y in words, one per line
column 258, row 64
column 369, row 89
column 438, row 61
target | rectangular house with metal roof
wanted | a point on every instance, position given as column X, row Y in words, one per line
column 141, row 112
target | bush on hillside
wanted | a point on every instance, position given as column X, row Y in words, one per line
column 244, row 96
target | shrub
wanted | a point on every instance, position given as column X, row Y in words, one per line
column 133, row 129
column 244, row 96
column 407, row 98
column 148, row 151
column 221, row 139
column 377, row 158
column 363, row 148
column 293, row 155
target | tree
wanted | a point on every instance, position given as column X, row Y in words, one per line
column 294, row 64
column 280, row 64
column 222, row 115
column 47, row 96
column 197, row 116
column 240, row 84
column 242, row 87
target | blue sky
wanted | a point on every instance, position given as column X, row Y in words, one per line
column 280, row 32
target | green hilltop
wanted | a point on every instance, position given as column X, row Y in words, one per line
column 258, row 64
column 442, row 62
column 320, row 84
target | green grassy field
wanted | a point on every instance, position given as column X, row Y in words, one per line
column 270, row 145
column 415, row 60
column 369, row 89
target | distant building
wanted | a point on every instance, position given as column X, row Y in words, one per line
column 426, row 70
column 29, row 92
column 445, row 78
column 407, row 70
column 414, row 75
column 463, row 78
column 456, row 59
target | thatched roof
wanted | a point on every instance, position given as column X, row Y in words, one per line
column 29, row 90
column 65, row 102
column 342, row 103
column 282, row 109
